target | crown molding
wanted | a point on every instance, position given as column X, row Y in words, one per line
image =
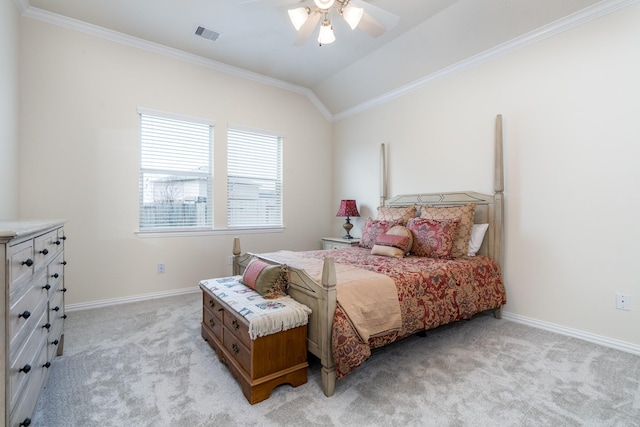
column 121, row 38
column 590, row 13
column 571, row 21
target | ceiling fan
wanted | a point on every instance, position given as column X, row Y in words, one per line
column 357, row 14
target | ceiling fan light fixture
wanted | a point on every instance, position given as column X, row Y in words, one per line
column 352, row 15
column 299, row 16
column 326, row 35
column 324, row 4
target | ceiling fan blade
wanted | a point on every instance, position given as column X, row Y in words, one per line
column 371, row 25
column 375, row 20
column 306, row 31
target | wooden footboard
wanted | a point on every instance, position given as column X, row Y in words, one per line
column 320, row 297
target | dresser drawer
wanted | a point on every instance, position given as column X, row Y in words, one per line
column 21, row 264
column 27, row 399
column 237, row 350
column 45, row 248
column 55, row 271
column 25, row 312
column 212, row 323
column 26, row 365
column 238, row 327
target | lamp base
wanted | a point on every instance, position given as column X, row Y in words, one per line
column 347, row 227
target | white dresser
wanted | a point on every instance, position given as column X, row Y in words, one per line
column 33, row 311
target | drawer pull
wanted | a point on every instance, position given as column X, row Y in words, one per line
column 47, row 286
column 26, row 368
column 28, row 262
column 55, row 275
column 47, row 365
column 235, row 348
column 54, row 342
column 212, row 323
column 211, row 303
column 56, row 308
column 64, row 237
column 64, row 263
column 26, row 314
column 64, row 316
column 57, row 242
column 44, row 251
column 47, row 325
column 235, row 325
column 63, row 290
column 26, row 422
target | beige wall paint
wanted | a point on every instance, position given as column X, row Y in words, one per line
column 8, row 110
column 572, row 144
column 79, row 161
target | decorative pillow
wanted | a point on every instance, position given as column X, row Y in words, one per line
column 464, row 214
column 397, row 236
column 268, row 280
column 404, row 213
column 477, row 236
column 433, row 238
column 389, row 251
column 373, row 228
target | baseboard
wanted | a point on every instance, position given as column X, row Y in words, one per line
column 575, row 333
column 126, row 300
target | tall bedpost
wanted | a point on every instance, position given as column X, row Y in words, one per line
column 498, row 188
column 236, row 256
column 383, row 175
column 328, row 308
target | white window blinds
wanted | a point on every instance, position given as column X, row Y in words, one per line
column 176, row 158
column 254, row 178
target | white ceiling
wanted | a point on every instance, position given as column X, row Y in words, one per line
column 257, row 36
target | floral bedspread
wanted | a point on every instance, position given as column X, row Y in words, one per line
column 432, row 292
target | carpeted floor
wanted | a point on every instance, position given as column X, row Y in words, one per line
column 145, row 364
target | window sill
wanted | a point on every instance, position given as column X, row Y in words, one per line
column 205, row 232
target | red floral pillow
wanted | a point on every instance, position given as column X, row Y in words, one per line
column 433, row 238
column 372, row 229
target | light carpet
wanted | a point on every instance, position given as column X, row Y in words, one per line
column 145, row 364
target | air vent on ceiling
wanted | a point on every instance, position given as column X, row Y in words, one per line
column 207, row 33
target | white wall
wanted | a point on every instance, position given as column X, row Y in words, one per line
column 79, row 158
column 8, row 110
column 572, row 143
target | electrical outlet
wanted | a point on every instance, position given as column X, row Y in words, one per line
column 230, row 260
column 623, row 301
column 161, row 269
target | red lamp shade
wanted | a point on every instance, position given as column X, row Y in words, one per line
column 348, row 208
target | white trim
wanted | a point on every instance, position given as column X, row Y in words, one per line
column 585, row 15
column 174, row 116
column 243, row 128
column 627, row 347
column 126, row 300
column 207, row 232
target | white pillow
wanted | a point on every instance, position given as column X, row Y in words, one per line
column 477, row 235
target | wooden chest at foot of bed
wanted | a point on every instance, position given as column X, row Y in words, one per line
column 259, row 365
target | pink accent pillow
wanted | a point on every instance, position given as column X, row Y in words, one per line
column 433, row 238
column 251, row 273
column 372, row 229
column 400, row 242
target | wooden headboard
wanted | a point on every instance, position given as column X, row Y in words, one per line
column 489, row 207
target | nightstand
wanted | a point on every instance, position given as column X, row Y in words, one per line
column 338, row 243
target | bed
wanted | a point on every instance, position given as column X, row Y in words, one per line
column 430, row 291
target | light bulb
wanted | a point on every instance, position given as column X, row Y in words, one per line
column 352, row 15
column 326, row 35
column 298, row 17
column 324, row 4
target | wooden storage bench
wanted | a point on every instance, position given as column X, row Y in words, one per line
column 233, row 314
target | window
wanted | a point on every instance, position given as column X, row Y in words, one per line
column 254, row 178
column 176, row 182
